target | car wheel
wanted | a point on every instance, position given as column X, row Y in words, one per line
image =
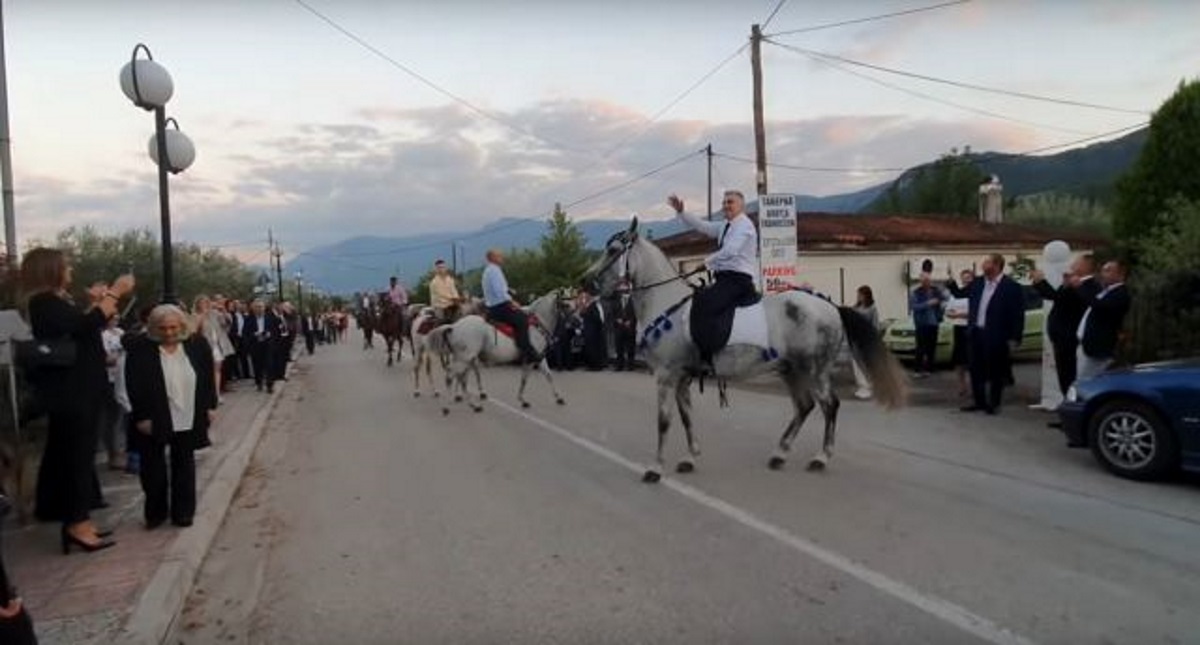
column 1131, row 440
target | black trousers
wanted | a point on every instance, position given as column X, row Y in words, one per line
column 260, row 356
column 728, row 291
column 626, row 348
column 1064, row 364
column 310, row 341
column 512, row 315
column 927, row 336
column 991, row 369
column 168, row 493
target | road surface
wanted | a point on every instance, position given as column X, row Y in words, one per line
column 367, row 517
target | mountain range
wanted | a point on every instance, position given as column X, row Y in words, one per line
column 365, row 262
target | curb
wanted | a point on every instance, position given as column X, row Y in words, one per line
column 162, row 600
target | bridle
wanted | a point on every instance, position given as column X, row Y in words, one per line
column 626, row 239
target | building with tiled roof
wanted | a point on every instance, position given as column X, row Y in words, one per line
column 838, row 252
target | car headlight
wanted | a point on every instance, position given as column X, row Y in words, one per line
column 1072, row 394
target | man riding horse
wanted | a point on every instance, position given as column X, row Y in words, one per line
column 734, row 266
column 502, row 309
column 443, row 294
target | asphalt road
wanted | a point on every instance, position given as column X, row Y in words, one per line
column 367, row 517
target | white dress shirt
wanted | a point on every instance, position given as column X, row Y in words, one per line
column 495, row 286
column 180, row 379
column 989, row 290
column 738, row 241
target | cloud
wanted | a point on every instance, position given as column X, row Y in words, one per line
column 428, row 170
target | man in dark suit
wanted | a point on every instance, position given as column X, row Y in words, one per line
column 260, row 336
column 595, row 334
column 995, row 328
column 1078, row 288
column 1100, row 329
column 625, row 329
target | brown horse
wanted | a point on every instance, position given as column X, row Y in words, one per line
column 391, row 326
column 367, row 322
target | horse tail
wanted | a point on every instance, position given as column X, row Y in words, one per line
column 884, row 371
column 439, row 339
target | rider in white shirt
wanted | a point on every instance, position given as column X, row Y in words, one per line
column 734, row 266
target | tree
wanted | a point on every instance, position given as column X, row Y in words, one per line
column 1057, row 210
column 1165, row 319
column 101, row 258
column 948, row 186
column 1166, row 168
column 564, row 253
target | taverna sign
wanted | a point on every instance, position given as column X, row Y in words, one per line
column 777, row 242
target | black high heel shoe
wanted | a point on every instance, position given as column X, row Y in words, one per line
column 69, row 540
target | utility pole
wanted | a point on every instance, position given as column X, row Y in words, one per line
column 277, row 255
column 760, row 133
column 10, row 218
column 709, row 153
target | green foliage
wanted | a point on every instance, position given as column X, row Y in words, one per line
column 1165, row 320
column 101, row 258
column 1057, row 210
column 564, row 252
column 948, row 186
column 1166, row 168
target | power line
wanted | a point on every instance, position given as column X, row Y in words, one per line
column 773, row 13
column 527, row 220
column 491, row 116
column 959, row 84
column 922, row 95
column 843, row 23
column 809, row 168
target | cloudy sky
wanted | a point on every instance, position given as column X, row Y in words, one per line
column 304, row 130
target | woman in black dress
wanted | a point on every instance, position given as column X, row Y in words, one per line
column 72, row 394
column 170, row 376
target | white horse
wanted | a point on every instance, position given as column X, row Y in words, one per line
column 804, row 334
column 425, row 350
column 472, row 339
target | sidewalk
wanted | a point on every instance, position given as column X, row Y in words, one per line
column 118, row 595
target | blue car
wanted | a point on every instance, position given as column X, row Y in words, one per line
column 1142, row 422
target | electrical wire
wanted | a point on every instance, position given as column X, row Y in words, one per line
column 843, row 23
column 809, row 168
column 928, row 97
column 487, row 114
column 774, row 12
column 959, row 84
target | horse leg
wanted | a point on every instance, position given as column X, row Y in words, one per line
column 544, row 368
column 665, row 386
column 524, row 381
column 478, row 381
column 454, row 373
column 802, row 404
column 683, row 401
column 829, row 402
column 417, row 377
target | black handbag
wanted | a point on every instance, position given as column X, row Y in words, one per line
column 37, row 354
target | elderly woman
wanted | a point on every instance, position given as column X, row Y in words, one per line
column 172, row 396
column 72, row 387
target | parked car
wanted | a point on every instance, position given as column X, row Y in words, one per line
column 901, row 335
column 1141, row 422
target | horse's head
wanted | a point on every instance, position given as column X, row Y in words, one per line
column 607, row 272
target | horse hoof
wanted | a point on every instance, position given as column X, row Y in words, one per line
column 561, row 401
column 483, row 396
column 777, row 463
column 458, row 399
column 416, row 395
column 685, row 467
column 445, row 412
column 651, row 477
column 477, row 408
column 437, row 395
column 525, row 404
column 816, row 465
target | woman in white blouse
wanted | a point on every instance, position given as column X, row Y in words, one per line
column 209, row 321
column 172, row 396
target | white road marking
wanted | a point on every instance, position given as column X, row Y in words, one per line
column 939, row 608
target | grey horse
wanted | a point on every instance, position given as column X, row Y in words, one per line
column 805, row 335
column 471, row 340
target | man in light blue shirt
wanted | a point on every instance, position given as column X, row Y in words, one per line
column 734, row 266
column 500, row 306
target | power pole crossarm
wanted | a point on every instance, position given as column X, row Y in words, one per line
column 760, row 132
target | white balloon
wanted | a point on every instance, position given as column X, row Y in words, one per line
column 1056, row 252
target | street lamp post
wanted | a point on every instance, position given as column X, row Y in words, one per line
column 300, row 291
column 149, row 86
